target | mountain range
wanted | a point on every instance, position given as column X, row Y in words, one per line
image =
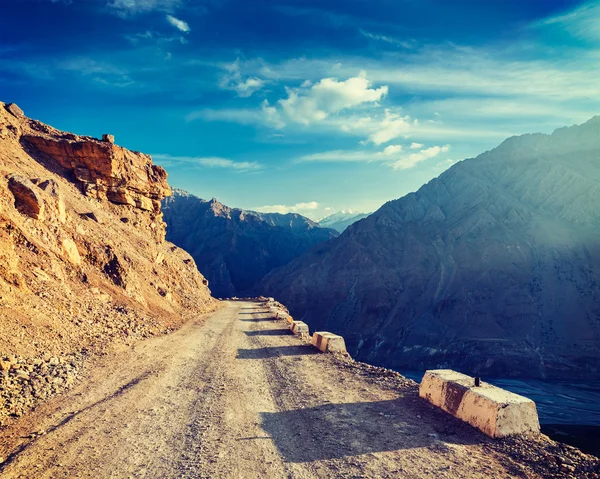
column 492, row 268
column 235, row 248
column 341, row 220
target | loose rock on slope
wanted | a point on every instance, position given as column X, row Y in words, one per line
column 83, row 261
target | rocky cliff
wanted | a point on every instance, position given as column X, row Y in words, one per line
column 235, row 248
column 493, row 268
column 83, row 260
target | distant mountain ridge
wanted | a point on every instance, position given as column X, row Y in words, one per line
column 491, row 268
column 341, row 220
column 235, row 248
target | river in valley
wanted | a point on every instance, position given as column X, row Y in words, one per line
column 569, row 412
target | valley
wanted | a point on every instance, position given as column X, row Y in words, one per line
column 236, row 248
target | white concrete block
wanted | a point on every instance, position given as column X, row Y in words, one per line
column 299, row 328
column 328, row 342
column 492, row 410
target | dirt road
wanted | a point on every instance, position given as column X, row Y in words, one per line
column 235, row 395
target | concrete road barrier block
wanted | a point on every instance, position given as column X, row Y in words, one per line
column 492, row 410
column 328, row 342
column 299, row 328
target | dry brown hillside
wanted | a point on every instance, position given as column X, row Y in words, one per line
column 83, row 260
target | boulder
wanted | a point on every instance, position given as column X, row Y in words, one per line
column 28, row 199
column 108, row 138
column 15, row 110
column 71, row 251
column 53, row 191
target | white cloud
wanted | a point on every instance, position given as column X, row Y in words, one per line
column 392, row 150
column 207, row 161
column 391, row 156
column 392, row 126
column 340, row 156
column 415, row 146
column 410, row 161
column 475, row 94
column 283, row 209
column 311, row 104
column 271, row 116
column 234, row 79
column 178, row 24
column 350, row 156
column 314, row 103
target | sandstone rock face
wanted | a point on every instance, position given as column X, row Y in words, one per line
column 235, row 248
column 87, row 272
column 493, row 268
column 27, row 198
column 103, row 170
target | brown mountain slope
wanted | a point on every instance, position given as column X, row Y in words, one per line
column 83, row 261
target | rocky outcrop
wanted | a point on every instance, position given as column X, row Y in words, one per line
column 493, row 268
column 103, row 170
column 27, row 199
column 83, row 261
column 235, row 248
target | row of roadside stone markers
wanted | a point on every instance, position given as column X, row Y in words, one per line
column 322, row 340
column 494, row 411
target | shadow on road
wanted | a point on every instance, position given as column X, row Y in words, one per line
column 273, row 352
column 252, row 320
column 335, row 431
column 269, row 332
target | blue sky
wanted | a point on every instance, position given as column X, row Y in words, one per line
column 306, row 106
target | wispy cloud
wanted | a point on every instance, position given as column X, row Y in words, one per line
column 351, row 156
column 178, row 24
column 207, row 162
column 582, row 23
column 234, row 79
column 411, row 160
column 392, row 156
column 126, row 8
column 102, row 72
column 283, row 209
column 407, row 43
column 151, row 36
